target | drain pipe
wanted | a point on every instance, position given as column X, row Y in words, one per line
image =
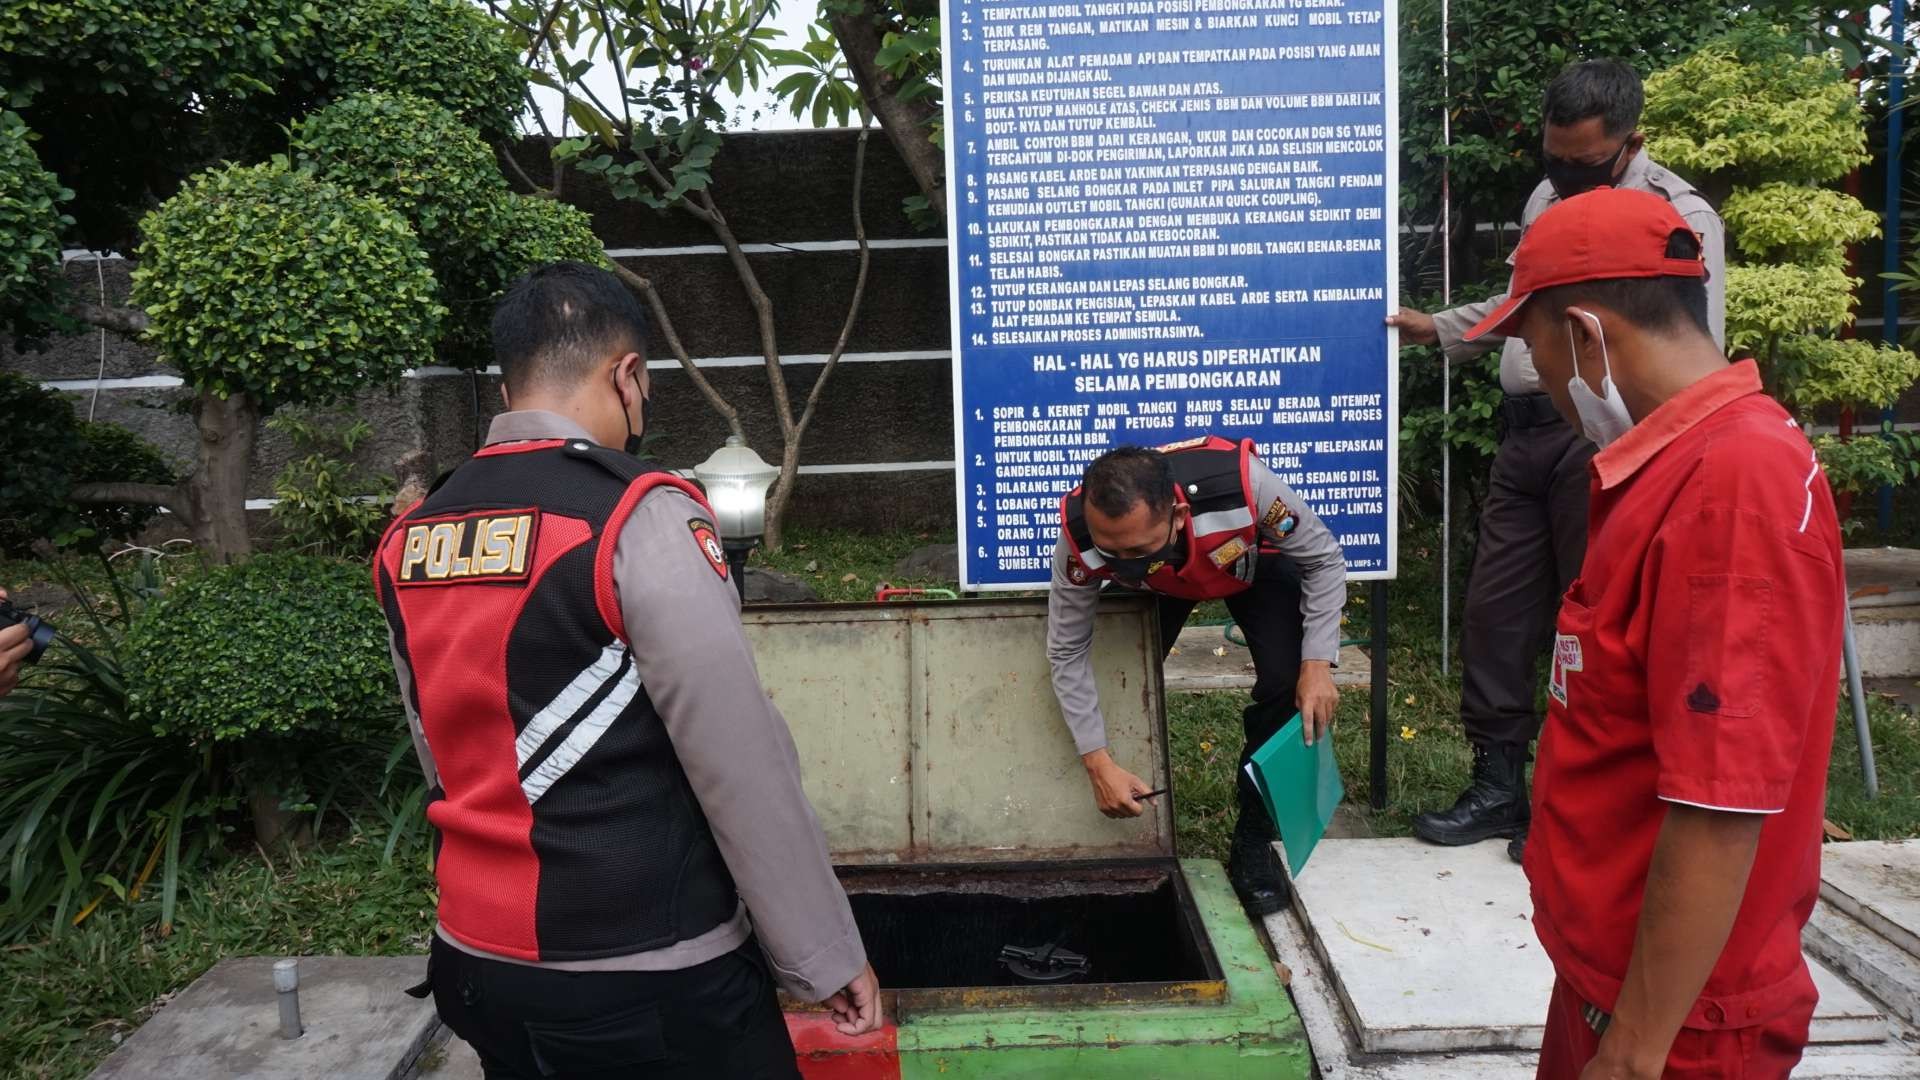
column 286, row 985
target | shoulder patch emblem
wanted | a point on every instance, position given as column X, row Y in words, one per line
column 1183, row 444
column 492, row 546
column 1224, row 555
column 1280, row 519
column 709, row 542
column 1077, row 573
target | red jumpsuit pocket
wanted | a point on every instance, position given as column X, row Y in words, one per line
column 1728, row 670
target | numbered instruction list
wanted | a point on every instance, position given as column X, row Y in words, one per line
column 1170, row 218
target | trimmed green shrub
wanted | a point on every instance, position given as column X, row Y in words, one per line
column 413, row 155
column 446, row 51
column 125, row 48
column 48, row 450
column 30, row 227
column 268, row 281
column 1757, row 105
column 523, row 232
column 279, row 645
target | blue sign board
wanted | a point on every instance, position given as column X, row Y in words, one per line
column 1170, row 218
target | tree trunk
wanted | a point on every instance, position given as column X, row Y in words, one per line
column 905, row 122
column 216, row 493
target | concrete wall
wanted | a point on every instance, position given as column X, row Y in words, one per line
column 879, row 450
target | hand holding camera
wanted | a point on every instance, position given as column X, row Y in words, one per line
column 23, row 638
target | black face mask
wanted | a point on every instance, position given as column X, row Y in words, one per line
column 1570, row 178
column 1173, row 553
column 633, row 443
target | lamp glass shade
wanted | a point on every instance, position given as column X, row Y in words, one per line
column 736, row 480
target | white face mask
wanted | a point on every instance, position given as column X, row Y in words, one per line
column 1604, row 416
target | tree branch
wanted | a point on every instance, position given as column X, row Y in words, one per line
column 762, row 310
column 859, row 284
column 904, row 122
column 646, row 290
column 505, row 153
column 121, row 320
column 169, row 497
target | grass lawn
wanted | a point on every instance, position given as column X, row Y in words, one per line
column 65, row 1000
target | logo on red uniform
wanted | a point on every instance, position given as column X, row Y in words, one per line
column 704, row 536
column 1566, row 658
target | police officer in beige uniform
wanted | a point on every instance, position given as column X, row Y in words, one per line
column 1533, row 526
column 626, row 860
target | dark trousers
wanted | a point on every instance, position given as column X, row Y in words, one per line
column 1533, row 534
column 1269, row 616
column 716, row 1020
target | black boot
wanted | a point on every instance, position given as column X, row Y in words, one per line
column 1517, row 848
column 1495, row 804
column 1252, row 868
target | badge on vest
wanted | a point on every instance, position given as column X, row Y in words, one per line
column 1077, row 573
column 1280, row 520
column 704, row 536
column 1566, row 658
column 491, row 545
column 1183, row 444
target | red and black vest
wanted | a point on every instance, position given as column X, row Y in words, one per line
column 565, row 827
column 1213, row 477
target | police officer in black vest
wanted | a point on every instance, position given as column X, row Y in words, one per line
column 1201, row 519
column 626, row 862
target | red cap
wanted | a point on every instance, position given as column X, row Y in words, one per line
column 1602, row 234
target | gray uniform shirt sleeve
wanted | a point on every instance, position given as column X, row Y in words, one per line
column 1311, row 547
column 683, row 623
column 1701, row 219
column 419, row 734
column 1070, row 612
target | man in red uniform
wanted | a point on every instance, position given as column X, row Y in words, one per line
column 1675, row 852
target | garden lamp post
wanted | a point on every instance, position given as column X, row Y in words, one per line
column 736, row 481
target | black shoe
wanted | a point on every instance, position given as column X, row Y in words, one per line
column 1517, row 848
column 1495, row 804
column 1253, row 870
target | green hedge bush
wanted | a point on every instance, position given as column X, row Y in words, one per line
column 279, row 645
column 48, row 450
column 268, row 281
column 447, row 51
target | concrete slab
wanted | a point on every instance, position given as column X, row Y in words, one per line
column 1203, row 659
column 1878, row 883
column 360, row 1025
column 1885, row 970
column 1889, row 641
column 1337, row 1054
column 1432, row 950
column 1883, row 577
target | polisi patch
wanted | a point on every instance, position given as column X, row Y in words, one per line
column 1566, row 658
column 489, row 545
column 709, row 542
column 1077, row 573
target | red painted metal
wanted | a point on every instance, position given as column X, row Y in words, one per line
column 825, row 1054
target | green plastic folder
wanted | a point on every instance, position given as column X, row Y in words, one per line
column 1300, row 785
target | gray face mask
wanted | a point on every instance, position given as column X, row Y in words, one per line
column 1603, row 416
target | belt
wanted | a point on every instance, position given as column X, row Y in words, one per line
column 1529, row 411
